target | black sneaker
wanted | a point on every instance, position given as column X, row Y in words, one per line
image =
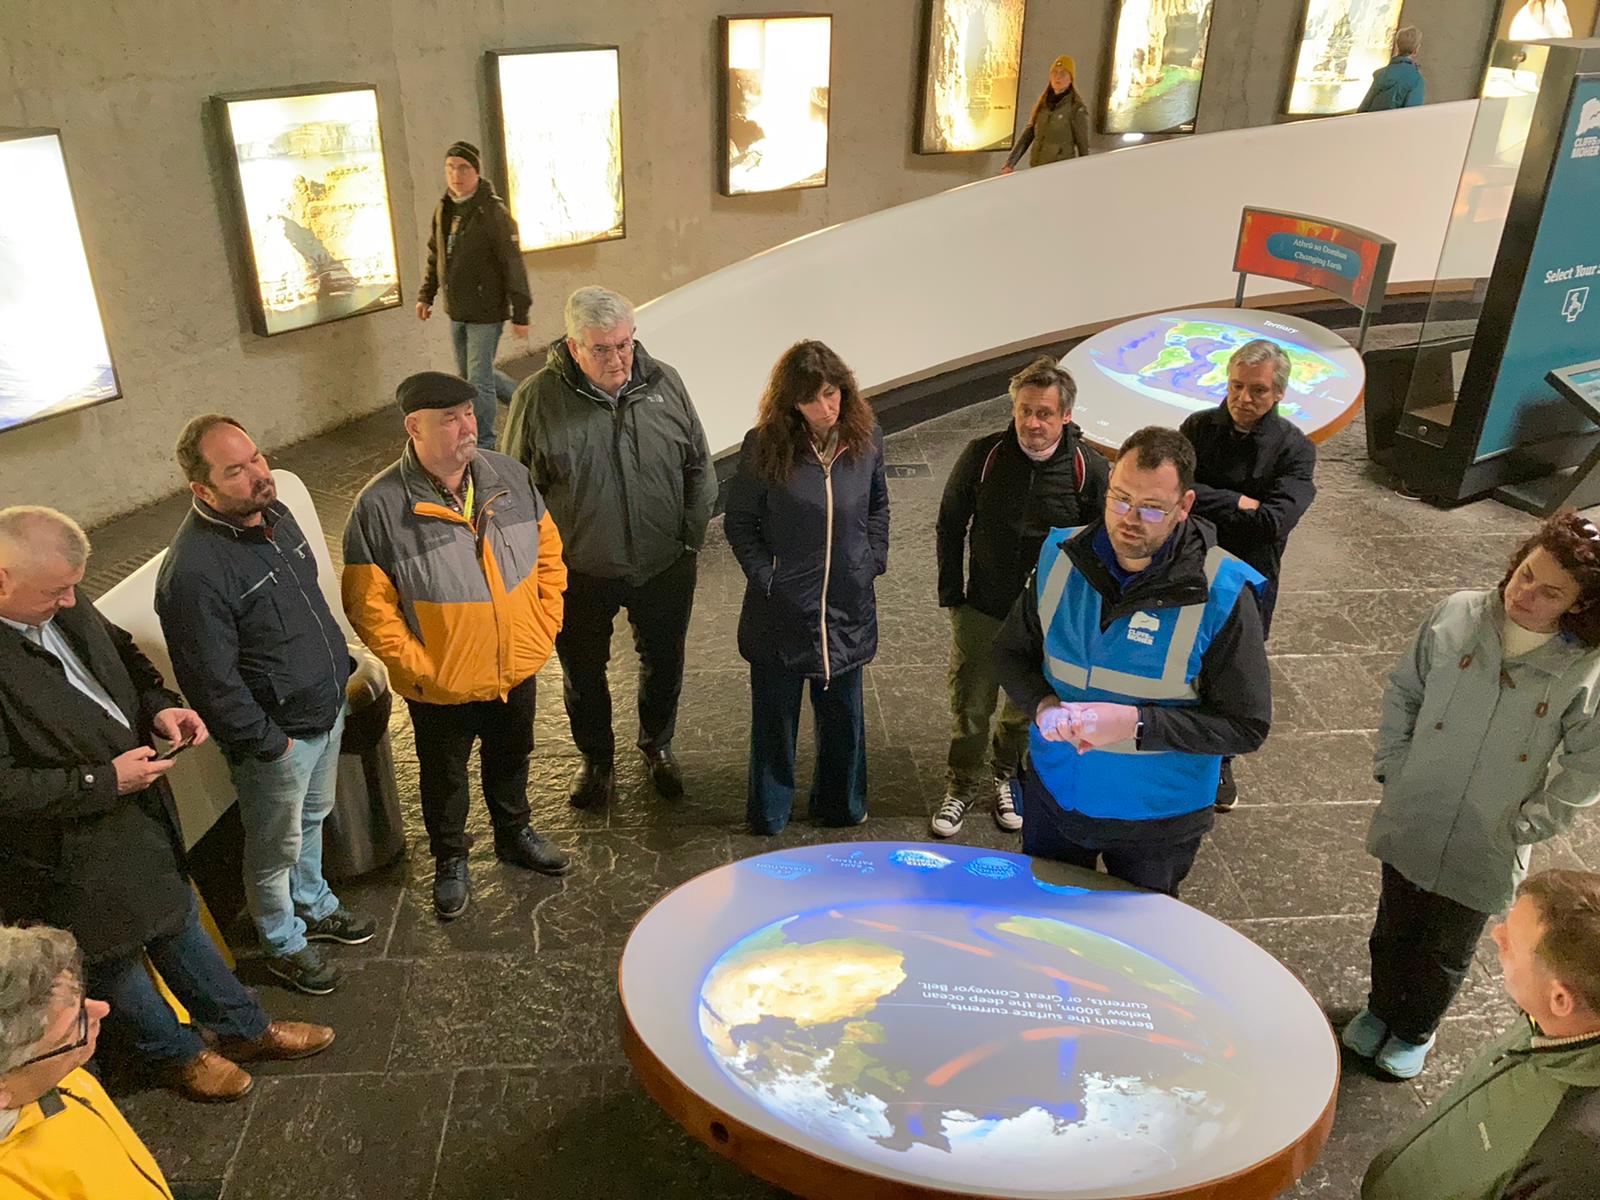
column 452, row 886
column 1227, row 790
column 525, row 848
column 306, row 971
column 592, row 784
column 342, row 926
column 665, row 773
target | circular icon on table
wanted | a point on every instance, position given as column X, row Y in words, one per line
column 993, row 868
column 918, row 860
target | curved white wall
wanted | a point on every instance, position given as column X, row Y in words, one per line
column 1013, row 260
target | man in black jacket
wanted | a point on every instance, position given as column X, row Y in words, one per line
column 1253, row 477
column 473, row 253
column 88, row 831
column 256, row 649
column 1007, row 490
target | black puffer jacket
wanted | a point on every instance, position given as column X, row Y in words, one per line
column 108, row 868
column 481, row 269
column 1009, row 503
column 790, row 554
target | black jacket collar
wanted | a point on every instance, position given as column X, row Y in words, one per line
column 1177, row 579
column 1223, row 420
column 210, row 519
column 645, row 369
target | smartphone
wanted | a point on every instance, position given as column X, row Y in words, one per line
column 176, row 750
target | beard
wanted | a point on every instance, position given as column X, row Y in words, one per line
column 261, row 498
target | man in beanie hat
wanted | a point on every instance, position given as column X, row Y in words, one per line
column 474, row 254
column 453, row 577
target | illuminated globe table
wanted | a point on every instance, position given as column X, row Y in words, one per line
column 1159, row 369
column 903, row 1020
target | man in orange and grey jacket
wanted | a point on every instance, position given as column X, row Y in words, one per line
column 453, row 577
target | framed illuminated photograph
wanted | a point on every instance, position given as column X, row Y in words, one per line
column 1157, row 60
column 775, row 74
column 312, row 203
column 556, row 113
column 1514, row 69
column 1342, row 43
column 971, row 61
column 53, row 352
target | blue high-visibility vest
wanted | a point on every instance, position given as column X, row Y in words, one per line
column 1151, row 656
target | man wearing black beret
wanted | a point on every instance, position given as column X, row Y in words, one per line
column 453, row 577
column 474, row 255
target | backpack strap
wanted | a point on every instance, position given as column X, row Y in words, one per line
column 1080, row 469
column 988, row 462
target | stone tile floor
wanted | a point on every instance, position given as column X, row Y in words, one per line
column 480, row 1059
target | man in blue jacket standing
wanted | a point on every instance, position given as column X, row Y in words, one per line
column 1137, row 646
column 257, row 651
column 1398, row 85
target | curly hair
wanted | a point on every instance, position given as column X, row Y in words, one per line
column 1574, row 542
column 802, row 371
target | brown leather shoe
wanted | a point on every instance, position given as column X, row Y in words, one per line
column 283, row 1039
column 210, row 1079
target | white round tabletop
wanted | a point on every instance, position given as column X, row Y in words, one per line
column 1159, row 369
column 902, row 1019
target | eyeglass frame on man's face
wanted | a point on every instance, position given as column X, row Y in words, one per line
column 605, row 352
column 79, row 1044
column 1149, row 514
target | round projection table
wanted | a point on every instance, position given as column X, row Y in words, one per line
column 1156, row 370
column 893, row 1019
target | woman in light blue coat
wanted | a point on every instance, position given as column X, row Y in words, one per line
column 1489, row 743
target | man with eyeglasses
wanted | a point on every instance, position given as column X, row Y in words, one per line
column 61, row 1137
column 1137, row 646
column 1253, row 478
column 613, row 443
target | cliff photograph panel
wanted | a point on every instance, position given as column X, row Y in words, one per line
column 973, row 58
column 774, row 93
column 1342, row 42
column 1158, row 56
column 313, row 197
column 53, row 352
column 560, row 127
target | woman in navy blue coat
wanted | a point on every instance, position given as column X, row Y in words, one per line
column 808, row 520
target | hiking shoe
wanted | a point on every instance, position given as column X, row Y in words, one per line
column 342, row 926
column 665, row 773
column 1365, row 1034
column 306, row 971
column 1403, row 1059
column 951, row 813
column 525, row 848
column 1227, row 790
column 452, row 887
column 592, row 784
column 1005, row 804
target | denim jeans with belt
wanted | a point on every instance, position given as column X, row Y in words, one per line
column 282, row 805
column 475, row 345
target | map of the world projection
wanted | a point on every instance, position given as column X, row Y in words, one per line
column 946, row 1013
column 1157, row 370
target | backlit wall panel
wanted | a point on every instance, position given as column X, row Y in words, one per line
column 1158, row 55
column 973, row 56
column 775, row 84
column 1342, row 42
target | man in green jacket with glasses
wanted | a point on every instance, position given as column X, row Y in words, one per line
column 1523, row 1123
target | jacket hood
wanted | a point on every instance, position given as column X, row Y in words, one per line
column 559, row 359
column 1575, row 1064
column 1555, row 657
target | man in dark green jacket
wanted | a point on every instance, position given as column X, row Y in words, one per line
column 615, row 447
column 1523, row 1123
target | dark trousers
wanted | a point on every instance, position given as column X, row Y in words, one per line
column 839, row 783
column 192, row 966
column 1158, row 863
column 658, row 610
column 1422, row 946
column 445, row 733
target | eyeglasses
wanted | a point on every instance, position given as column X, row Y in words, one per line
column 620, row 350
column 1587, row 528
column 1149, row 514
column 78, row 1044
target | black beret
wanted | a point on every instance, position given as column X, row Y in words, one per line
column 467, row 151
column 433, row 389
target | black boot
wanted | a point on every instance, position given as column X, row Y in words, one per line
column 1227, row 790
column 665, row 772
column 592, row 785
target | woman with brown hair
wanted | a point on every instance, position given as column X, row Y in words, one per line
column 808, row 520
column 1059, row 124
column 1488, row 744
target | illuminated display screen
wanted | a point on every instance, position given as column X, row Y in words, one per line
column 945, row 1015
column 1157, row 370
column 775, row 103
column 560, row 122
column 969, row 88
column 1157, row 58
column 314, row 198
column 1530, row 20
column 1342, row 42
column 53, row 352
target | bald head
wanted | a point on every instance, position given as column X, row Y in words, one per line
column 42, row 558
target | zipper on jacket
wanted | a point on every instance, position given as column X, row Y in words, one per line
column 333, row 662
column 827, row 568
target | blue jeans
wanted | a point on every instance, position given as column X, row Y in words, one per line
column 839, row 782
column 475, row 345
column 282, row 805
column 193, row 968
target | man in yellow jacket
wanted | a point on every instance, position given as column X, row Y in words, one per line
column 453, row 577
column 61, row 1138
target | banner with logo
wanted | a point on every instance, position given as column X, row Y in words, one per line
column 1341, row 259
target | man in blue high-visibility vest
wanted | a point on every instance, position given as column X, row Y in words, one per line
column 1137, row 645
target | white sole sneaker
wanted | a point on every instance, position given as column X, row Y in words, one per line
column 949, row 818
column 1005, row 805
